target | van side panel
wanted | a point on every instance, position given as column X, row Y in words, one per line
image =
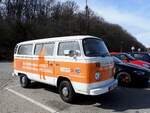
column 79, row 70
column 76, row 72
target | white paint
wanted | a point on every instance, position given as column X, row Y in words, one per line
column 81, row 88
column 33, row 101
column 89, row 89
column 36, row 77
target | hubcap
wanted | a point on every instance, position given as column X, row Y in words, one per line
column 23, row 80
column 125, row 79
column 65, row 91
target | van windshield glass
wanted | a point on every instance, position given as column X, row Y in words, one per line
column 95, row 47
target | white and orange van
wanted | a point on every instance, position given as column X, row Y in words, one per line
column 74, row 64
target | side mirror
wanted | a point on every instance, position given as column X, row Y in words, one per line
column 71, row 53
column 66, row 52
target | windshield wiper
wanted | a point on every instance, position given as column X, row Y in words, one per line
column 105, row 54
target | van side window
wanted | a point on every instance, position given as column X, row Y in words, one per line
column 25, row 49
column 72, row 45
column 37, row 49
column 49, row 49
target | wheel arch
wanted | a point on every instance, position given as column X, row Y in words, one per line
column 61, row 78
column 22, row 74
column 122, row 71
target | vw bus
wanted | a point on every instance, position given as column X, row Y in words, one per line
column 74, row 64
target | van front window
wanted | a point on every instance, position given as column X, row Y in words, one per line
column 95, row 47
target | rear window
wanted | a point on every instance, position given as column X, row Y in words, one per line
column 38, row 48
column 95, row 47
column 142, row 56
column 124, row 57
column 139, row 55
column 25, row 49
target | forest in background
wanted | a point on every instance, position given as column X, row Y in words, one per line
column 22, row 20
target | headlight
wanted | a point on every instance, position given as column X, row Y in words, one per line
column 139, row 72
column 145, row 65
column 97, row 75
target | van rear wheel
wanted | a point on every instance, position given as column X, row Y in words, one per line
column 24, row 81
column 66, row 91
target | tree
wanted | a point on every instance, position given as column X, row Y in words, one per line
column 22, row 20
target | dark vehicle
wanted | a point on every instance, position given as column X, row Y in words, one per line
column 141, row 56
column 130, row 74
column 127, row 58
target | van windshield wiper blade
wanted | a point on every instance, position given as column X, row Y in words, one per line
column 105, row 54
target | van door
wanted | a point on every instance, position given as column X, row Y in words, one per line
column 45, row 62
column 66, row 65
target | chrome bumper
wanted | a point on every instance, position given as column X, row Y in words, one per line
column 107, row 88
column 13, row 74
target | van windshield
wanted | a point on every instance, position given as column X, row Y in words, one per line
column 95, row 47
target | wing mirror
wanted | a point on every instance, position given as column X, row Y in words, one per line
column 72, row 53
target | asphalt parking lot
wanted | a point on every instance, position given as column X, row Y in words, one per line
column 41, row 98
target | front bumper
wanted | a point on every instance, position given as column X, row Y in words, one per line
column 107, row 88
column 13, row 74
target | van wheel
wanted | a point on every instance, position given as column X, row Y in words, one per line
column 124, row 79
column 66, row 91
column 24, row 81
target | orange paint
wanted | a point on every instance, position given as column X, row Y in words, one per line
column 86, row 75
column 41, row 61
column 81, row 70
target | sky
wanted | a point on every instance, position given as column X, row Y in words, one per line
column 132, row 15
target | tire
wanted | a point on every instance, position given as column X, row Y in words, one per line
column 145, row 83
column 24, row 81
column 66, row 91
column 124, row 78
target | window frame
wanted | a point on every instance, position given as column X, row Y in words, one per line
column 57, row 53
column 84, row 52
column 53, row 48
column 42, row 47
column 19, row 46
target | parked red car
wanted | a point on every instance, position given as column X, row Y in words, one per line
column 125, row 57
column 145, row 56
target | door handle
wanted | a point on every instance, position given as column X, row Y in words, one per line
column 51, row 64
column 57, row 65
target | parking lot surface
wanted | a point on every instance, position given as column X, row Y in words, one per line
column 41, row 98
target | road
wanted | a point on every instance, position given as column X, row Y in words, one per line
column 41, row 98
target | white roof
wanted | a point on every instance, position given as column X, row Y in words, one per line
column 77, row 37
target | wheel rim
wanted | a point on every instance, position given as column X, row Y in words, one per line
column 65, row 91
column 124, row 78
column 23, row 80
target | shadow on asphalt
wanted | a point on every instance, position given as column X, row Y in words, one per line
column 37, row 85
column 119, row 100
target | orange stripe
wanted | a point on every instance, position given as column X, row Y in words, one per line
column 66, row 69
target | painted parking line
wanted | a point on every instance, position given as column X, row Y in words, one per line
column 32, row 101
column 13, row 86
